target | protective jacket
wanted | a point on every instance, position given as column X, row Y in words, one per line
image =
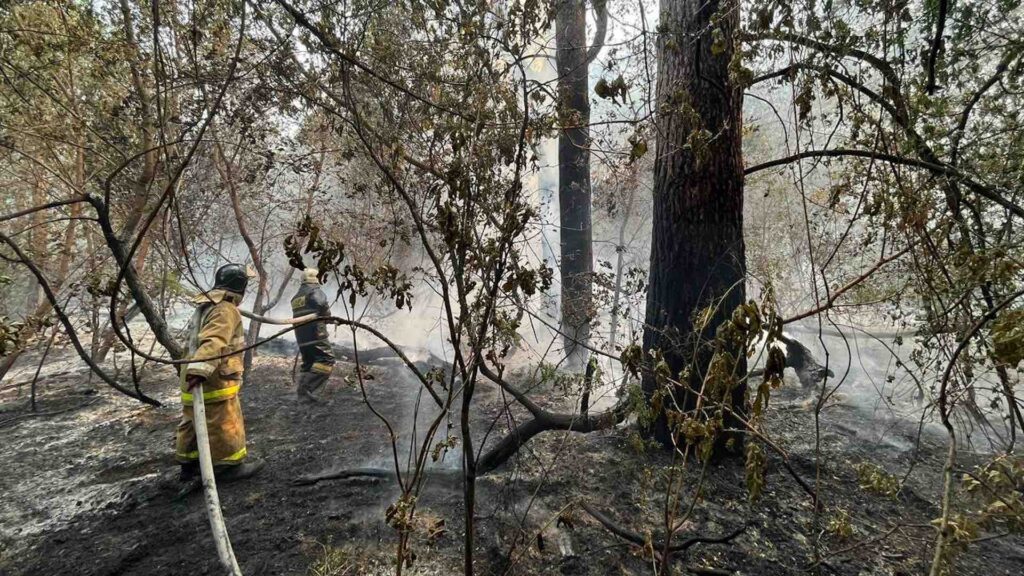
column 314, row 344
column 215, row 329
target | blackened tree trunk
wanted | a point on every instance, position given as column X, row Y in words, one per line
column 573, row 60
column 697, row 252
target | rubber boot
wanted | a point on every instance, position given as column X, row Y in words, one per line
column 307, row 397
column 231, row 473
column 308, row 382
column 189, row 471
column 190, row 478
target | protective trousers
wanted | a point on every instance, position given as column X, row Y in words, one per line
column 316, row 369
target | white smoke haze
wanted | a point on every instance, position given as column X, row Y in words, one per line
column 872, row 371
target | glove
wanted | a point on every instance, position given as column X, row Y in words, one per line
column 193, row 381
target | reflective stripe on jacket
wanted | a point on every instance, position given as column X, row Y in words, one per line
column 310, row 299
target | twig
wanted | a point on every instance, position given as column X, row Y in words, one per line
column 639, row 540
column 39, row 368
column 936, row 47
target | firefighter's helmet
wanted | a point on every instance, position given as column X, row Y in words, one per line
column 232, row 277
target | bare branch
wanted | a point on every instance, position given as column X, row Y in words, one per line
column 601, row 14
column 640, row 540
column 834, row 296
column 543, row 421
column 68, row 326
column 992, row 193
column 55, row 204
column 933, row 54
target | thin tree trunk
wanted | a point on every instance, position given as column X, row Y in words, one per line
column 576, row 266
column 620, row 251
column 469, row 482
column 227, row 174
column 37, row 240
column 697, row 252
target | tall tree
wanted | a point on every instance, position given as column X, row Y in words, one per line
column 697, row 255
column 577, row 257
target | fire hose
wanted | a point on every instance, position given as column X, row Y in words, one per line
column 213, row 510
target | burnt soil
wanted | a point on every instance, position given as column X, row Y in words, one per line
column 89, row 488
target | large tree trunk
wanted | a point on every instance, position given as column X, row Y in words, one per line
column 697, row 253
column 576, row 266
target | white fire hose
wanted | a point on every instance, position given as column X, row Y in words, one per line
column 277, row 321
column 213, row 511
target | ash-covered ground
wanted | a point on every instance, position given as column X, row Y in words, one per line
column 88, row 488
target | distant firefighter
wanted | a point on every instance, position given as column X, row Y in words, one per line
column 216, row 329
column 314, row 345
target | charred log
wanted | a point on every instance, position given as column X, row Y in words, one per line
column 342, row 474
column 544, row 421
column 798, row 357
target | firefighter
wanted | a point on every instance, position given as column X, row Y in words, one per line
column 315, row 347
column 216, row 329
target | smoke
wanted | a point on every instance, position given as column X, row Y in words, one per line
column 889, row 380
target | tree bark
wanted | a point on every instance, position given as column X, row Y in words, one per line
column 620, row 265
column 38, row 238
column 697, row 253
column 576, row 265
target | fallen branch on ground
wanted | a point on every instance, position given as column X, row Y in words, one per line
column 341, row 474
column 640, row 540
column 543, row 421
column 345, row 473
column 703, row 571
column 12, row 419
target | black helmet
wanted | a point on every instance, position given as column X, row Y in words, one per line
column 232, row 277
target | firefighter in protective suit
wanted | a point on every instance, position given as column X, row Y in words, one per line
column 314, row 345
column 215, row 330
